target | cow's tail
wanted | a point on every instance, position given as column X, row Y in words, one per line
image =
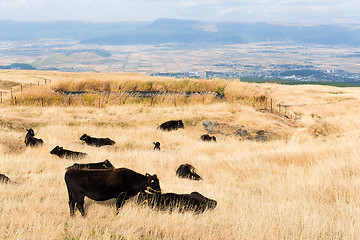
column 67, row 185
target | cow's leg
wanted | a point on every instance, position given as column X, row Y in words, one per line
column 120, row 200
column 71, row 206
column 71, row 203
column 80, row 205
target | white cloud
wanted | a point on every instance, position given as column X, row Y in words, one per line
column 208, row 10
column 20, row 3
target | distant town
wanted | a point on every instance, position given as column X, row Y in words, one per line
column 267, row 61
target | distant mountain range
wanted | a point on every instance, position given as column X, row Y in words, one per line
column 179, row 31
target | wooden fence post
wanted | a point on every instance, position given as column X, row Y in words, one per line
column 279, row 109
column 38, row 83
column 11, row 93
column 152, row 101
column 175, row 101
column 69, row 100
column 99, row 103
column 0, row 97
column 15, row 101
column 21, row 88
column 288, row 110
column 42, row 102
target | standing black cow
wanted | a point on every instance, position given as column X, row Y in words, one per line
column 97, row 142
column 104, row 184
column 4, row 179
column 171, row 125
column 183, row 202
column 100, row 165
column 187, row 171
column 157, row 146
column 208, row 138
column 32, row 141
column 64, row 153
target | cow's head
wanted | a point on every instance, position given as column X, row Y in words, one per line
column 84, row 137
column 30, row 132
column 214, row 138
column 56, row 150
column 107, row 164
column 152, row 184
column 157, row 145
column 195, row 176
column 180, row 124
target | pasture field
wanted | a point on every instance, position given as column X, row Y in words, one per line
column 303, row 183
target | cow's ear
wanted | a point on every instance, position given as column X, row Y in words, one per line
column 147, row 175
column 61, row 148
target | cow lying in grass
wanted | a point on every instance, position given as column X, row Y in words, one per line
column 187, row 171
column 100, row 165
column 171, row 125
column 32, row 141
column 4, row 179
column 97, row 142
column 183, row 202
column 156, row 146
column 64, row 153
column 105, row 184
column 208, row 138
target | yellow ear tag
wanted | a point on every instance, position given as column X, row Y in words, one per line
column 104, row 165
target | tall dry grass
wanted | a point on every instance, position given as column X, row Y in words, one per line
column 47, row 88
column 303, row 185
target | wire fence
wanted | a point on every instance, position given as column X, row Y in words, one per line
column 100, row 99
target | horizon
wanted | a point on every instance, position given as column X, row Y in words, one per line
column 183, row 19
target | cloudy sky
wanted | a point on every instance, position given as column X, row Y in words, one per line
column 290, row 11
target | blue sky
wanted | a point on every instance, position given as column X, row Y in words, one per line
column 295, row 11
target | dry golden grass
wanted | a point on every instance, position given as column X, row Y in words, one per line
column 49, row 86
column 304, row 184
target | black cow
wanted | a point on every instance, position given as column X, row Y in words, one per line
column 32, row 141
column 187, row 171
column 105, row 184
column 97, row 142
column 100, row 165
column 64, row 153
column 4, row 179
column 183, row 202
column 171, row 125
column 208, row 138
column 157, row 146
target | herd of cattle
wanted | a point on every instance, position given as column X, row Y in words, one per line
column 102, row 181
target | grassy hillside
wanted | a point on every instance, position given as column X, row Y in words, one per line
column 47, row 88
column 303, row 183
